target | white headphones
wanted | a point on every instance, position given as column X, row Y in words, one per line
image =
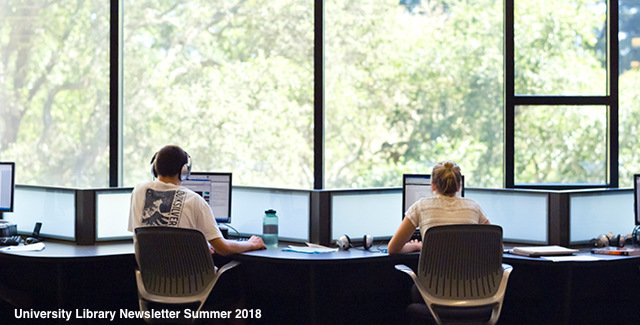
column 344, row 242
column 185, row 171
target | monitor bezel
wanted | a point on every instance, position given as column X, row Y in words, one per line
column 220, row 221
column 13, row 186
column 404, row 184
column 635, row 198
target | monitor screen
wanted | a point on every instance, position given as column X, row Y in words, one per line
column 636, row 197
column 7, row 182
column 418, row 186
column 215, row 188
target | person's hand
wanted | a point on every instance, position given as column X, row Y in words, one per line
column 256, row 243
column 416, row 245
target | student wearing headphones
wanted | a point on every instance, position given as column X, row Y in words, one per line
column 165, row 202
column 444, row 208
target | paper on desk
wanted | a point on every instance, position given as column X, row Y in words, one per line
column 32, row 247
column 316, row 245
column 571, row 258
column 309, row 250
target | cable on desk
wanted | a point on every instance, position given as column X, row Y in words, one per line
column 234, row 229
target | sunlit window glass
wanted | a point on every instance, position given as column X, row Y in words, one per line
column 629, row 85
column 560, row 144
column 54, row 91
column 411, row 83
column 231, row 82
column 560, row 47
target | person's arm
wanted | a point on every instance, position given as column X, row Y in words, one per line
column 227, row 247
column 399, row 243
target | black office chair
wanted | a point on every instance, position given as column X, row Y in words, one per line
column 460, row 277
column 176, row 270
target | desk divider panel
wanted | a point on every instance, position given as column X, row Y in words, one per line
column 599, row 212
column 321, row 216
column 374, row 212
column 112, row 214
column 292, row 208
column 523, row 215
column 54, row 207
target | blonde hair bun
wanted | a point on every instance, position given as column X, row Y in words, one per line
column 446, row 177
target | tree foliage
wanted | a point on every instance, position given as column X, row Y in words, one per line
column 231, row 81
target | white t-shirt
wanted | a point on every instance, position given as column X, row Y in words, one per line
column 164, row 204
column 444, row 210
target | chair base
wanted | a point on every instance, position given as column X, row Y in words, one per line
column 420, row 314
column 178, row 308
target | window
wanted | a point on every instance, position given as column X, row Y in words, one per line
column 560, row 144
column 629, row 83
column 407, row 86
column 231, row 82
column 556, row 47
column 54, row 90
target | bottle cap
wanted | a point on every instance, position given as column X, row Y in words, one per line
column 270, row 211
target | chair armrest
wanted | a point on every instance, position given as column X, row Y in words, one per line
column 408, row 270
column 404, row 268
column 227, row 267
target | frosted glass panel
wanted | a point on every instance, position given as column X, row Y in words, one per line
column 375, row 213
column 523, row 216
column 292, row 209
column 55, row 208
column 112, row 214
column 593, row 214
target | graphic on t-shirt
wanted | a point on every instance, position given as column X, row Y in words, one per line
column 163, row 208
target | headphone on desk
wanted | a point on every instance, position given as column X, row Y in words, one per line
column 185, row 171
column 344, row 242
column 609, row 239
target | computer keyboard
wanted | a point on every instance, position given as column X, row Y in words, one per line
column 9, row 241
column 242, row 239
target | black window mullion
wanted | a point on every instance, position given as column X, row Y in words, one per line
column 318, row 96
column 612, row 91
column 509, row 92
column 563, row 100
column 115, row 95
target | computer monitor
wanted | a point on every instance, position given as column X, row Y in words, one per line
column 7, row 186
column 418, row 186
column 215, row 188
column 636, row 197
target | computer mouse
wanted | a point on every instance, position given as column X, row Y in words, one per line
column 31, row 240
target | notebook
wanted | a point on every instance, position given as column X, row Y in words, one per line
column 535, row 251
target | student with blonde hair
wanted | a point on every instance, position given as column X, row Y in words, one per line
column 443, row 208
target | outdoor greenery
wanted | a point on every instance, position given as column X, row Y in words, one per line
column 231, row 81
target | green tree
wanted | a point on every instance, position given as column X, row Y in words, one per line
column 54, row 91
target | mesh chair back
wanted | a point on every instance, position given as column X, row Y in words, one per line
column 461, row 262
column 174, row 262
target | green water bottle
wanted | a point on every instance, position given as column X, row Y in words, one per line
column 270, row 228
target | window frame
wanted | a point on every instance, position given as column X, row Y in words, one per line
column 610, row 100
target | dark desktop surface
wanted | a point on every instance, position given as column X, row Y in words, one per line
column 355, row 286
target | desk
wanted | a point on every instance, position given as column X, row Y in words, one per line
column 539, row 290
column 341, row 287
column 69, row 251
column 573, row 292
column 348, row 287
column 65, row 275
